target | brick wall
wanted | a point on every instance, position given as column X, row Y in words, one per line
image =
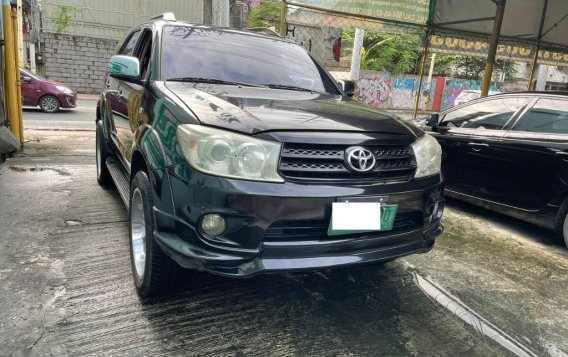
column 78, row 61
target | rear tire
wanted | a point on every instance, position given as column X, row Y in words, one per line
column 153, row 271
column 102, row 153
column 49, row 104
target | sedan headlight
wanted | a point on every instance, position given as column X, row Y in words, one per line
column 428, row 155
column 64, row 89
column 223, row 153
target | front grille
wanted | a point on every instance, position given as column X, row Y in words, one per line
column 303, row 230
column 301, row 161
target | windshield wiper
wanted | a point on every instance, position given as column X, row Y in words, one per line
column 210, row 80
column 284, row 86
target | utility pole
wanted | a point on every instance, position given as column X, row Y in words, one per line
column 356, row 54
column 10, row 72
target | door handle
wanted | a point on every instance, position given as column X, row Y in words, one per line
column 477, row 146
column 562, row 154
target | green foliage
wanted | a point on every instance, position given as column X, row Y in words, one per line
column 393, row 53
column 62, row 17
column 267, row 14
column 444, row 64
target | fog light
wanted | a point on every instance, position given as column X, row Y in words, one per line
column 439, row 211
column 213, row 224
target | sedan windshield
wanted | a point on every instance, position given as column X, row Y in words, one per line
column 205, row 55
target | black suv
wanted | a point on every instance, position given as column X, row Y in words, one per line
column 238, row 154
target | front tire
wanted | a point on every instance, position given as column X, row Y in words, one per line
column 565, row 230
column 153, row 271
column 49, row 104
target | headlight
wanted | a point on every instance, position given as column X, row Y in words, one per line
column 223, row 153
column 64, row 89
column 428, row 155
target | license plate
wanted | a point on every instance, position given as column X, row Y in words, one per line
column 360, row 217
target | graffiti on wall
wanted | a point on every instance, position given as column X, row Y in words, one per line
column 390, row 92
column 455, row 86
column 375, row 89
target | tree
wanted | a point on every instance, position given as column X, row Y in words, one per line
column 267, row 14
column 473, row 68
column 394, row 53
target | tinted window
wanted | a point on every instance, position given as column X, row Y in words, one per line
column 547, row 116
column 489, row 114
column 128, row 47
column 203, row 53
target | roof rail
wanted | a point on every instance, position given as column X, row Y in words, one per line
column 168, row 16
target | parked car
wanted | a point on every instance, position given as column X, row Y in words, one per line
column 238, row 154
column 509, row 153
column 469, row 95
column 50, row 96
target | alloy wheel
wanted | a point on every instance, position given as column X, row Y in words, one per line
column 99, row 158
column 49, row 104
column 138, row 232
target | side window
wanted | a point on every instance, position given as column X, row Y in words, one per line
column 129, row 46
column 547, row 116
column 488, row 114
column 144, row 53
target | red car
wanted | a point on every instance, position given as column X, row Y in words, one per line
column 48, row 95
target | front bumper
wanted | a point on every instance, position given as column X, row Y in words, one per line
column 68, row 100
column 283, row 227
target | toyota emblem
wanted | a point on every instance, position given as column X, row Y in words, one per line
column 359, row 159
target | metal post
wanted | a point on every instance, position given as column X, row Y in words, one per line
column 533, row 65
column 283, row 19
column 356, row 54
column 17, row 60
column 422, row 69
column 10, row 71
column 429, row 83
column 490, row 63
column 537, row 49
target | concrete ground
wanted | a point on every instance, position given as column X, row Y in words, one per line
column 493, row 286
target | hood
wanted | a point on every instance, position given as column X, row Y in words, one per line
column 254, row 110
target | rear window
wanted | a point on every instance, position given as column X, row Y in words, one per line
column 547, row 116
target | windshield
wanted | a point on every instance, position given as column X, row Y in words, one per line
column 232, row 57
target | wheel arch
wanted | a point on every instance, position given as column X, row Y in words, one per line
column 159, row 179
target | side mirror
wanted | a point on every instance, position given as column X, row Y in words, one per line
column 433, row 121
column 26, row 79
column 348, row 87
column 124, row 67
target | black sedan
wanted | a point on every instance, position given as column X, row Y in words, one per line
column 509, row 153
